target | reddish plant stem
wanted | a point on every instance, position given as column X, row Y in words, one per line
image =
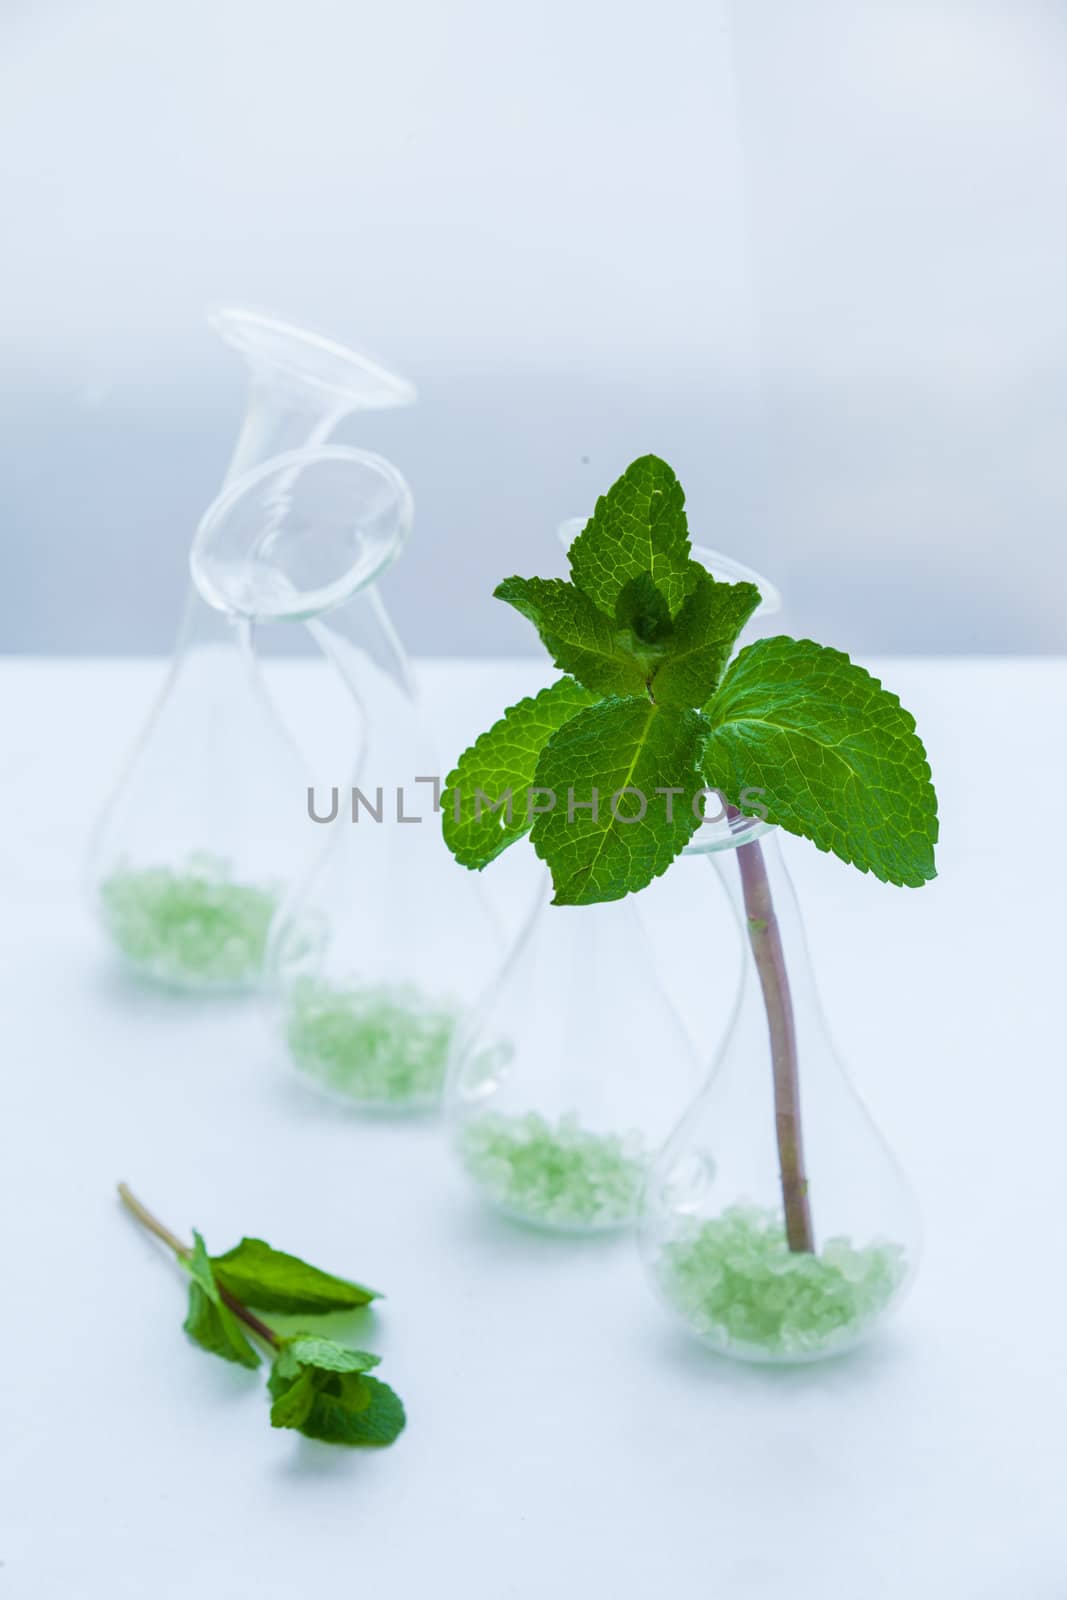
column 765, row 939
column 183, row 1252
column 249, row 1318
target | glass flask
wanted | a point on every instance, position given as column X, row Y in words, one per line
column 189, row 858
column 377, row 955
column 577, row 1064
column 775, row 1222
column 573, row 1071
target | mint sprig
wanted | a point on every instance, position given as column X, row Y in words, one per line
column 317, row 1386
column 644, row 630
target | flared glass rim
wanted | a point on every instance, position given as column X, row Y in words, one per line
column 310, row 358
column 303, row 605
column 727, row 834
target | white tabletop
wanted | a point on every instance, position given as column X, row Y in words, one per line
column 564, row 1437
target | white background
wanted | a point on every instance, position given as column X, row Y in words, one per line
column 813, row 254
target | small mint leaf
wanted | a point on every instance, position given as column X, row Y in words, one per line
column 294, row 1401
column 705, row 629
column 324, row 1355
column 377, row 1422
column 638, row 527
column 271, row 1280
column 836, row 755
column 320, row 1388
column 619, row 744
column 209, row 1322
column 580, row 639
column 502, row 762
column 644, row 614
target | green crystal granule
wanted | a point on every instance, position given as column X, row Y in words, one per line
column 194, row 927
column 738, row 1284
column 556, row 1174
column 380, row 1045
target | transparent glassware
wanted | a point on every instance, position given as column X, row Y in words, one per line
column 378, row 953
column 190, row 856
column 776, row 1223
column 573, row 1071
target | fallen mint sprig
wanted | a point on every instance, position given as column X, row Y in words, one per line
column 319, row 1387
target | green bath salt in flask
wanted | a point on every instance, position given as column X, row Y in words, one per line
column 573, row 1072
column 200, row 837
column 776, row 1223
column 376, row 954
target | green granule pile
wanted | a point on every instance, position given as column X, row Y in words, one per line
column 559, row 1175
column 194, row 928
column 738, row 1284
column 381, row 1046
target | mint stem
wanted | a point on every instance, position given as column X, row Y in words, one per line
column 183, row 1252
column 765, row 938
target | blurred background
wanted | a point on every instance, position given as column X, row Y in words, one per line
column 812, row 254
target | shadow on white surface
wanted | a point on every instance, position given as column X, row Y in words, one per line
column 486, row 1231
column 116, row 985
column 853, row 1369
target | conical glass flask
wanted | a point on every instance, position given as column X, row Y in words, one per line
column 188, row 860
column 573, row 1071
column 378, row 954
column 776, row 1222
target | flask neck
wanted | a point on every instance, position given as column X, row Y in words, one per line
column 204, row 627
column 300, row 386
column 360, row 641
column 282, row 415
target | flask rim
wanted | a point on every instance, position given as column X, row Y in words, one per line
column 711, row 838
column 297, row 605
column 268, row 344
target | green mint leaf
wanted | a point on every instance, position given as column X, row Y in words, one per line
column 271, row 1280
column 580, row 639
column 321, row 1389
column 629, row 839
column 502, row 763
column 375, row 1424
column 705, row 629
column 836, row 755
column 294, row 1401
column 324, row 1355
column 638, row 527
column 644, row 614
column 210, row 1323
